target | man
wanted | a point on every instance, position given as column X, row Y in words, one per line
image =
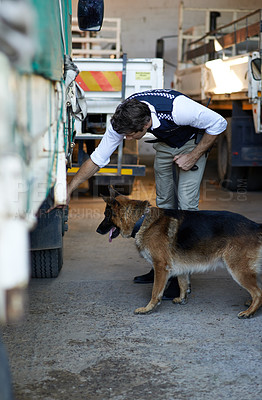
column 175, row 120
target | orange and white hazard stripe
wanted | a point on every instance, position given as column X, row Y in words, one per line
column 100, row 81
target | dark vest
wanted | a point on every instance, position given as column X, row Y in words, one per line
column 168, row 132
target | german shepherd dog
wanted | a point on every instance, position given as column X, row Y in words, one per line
column 179, row 242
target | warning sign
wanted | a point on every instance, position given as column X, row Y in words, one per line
column 143, row 76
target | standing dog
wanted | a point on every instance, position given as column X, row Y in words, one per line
column 180, row 242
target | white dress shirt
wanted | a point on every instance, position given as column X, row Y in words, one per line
column 185, row 112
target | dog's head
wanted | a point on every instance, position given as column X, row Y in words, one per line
column 121, row 215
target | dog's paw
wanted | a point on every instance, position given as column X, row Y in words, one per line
column 142, row 310
column 244, row 315
column 179, row 300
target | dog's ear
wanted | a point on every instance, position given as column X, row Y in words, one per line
column 109, row 200
column 113, row 192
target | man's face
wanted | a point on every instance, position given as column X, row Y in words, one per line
column 138, row 135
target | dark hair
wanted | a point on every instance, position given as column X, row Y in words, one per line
column 130, row 116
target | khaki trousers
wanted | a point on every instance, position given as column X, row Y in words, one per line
column 184, row 193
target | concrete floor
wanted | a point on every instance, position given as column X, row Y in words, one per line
column 82, row 341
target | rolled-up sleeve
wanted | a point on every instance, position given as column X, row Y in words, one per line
column 111, row 139
column 188, row 112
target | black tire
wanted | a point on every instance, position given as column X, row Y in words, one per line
column 46, row 263
column 230, row 177
column 6, row 392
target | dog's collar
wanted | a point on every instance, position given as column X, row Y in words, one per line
column 138, row 224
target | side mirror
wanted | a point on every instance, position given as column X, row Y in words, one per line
column 256, row 68
column 90, row 14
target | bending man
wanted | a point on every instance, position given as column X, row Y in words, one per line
column 177, row 123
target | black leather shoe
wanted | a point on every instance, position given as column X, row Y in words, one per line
column 147, row 278
column 172, row 289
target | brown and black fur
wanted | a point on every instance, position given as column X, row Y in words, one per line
column 182, row 242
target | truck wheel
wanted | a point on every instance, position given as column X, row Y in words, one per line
column 46, row 242
column 230, row 177
column 46, row 263
column 5, row 377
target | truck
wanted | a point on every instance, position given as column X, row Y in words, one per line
column 106, row 82
column 222, row 66
column 39, row 101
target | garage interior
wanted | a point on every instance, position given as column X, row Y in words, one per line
column 80, row 338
